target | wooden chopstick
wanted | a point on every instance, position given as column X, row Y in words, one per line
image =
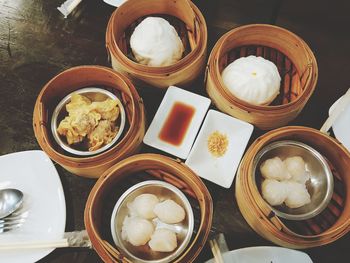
column 36, row 244
column 339, row 108
column 216, row 251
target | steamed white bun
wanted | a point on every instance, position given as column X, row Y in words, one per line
column 274, row 168
column 137, row 231
column 155, row 42
column 274, row 192
column 143, row 206
column 163, row 240
column 169, row 212
column 252, row 79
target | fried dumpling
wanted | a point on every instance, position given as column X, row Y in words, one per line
column 77, row 102
column 101, row 135
column 92, row 120
column 108, row 109
column 77, row 125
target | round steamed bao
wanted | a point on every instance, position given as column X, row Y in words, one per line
column 156, row 43
column 253, row 79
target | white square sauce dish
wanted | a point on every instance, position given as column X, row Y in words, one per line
column 177, row 121
column 219, row 148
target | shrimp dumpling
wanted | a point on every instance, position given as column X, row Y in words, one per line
column 296, row 167
column 163, row 240
column 274, row 192
column 297, row 195
column 143, row 206
column 169, row 212
column 137, row 231
column 274, row 168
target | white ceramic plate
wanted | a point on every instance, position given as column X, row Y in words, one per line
column 341, row 126
column 219, row 170
column 44, row 205
column 173, row 95
column 265, row 254
column 115, row 3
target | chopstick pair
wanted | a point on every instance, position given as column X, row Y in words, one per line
column 71, row 239
column 218, row 247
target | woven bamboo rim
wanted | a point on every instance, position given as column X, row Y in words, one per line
column 182, row 72
column 294, row 59
column 163, row 168
column 76, row 78
column 259, row 214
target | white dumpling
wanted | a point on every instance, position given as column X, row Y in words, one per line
column 163, row 240
column 296, row 167
column 297, row 195
column 274, row 192
column 274, row 168
column 169, row 212
column 156, row 43
column 137, row 231
column 143, row 206
column 252, row 79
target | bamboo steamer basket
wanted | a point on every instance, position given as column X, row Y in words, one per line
column 76, row 78
column 190, row 25
column 155, row 165
column 292, row 56
column 331, row 224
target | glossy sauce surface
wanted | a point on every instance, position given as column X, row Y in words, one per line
column 176, row 124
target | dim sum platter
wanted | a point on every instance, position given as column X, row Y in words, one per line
column 220, row 170
column 178, row 139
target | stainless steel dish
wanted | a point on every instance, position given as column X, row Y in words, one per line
column 183, row 230
column 94, row 94
column 320, row 185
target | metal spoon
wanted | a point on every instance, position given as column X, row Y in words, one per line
column 10, row 201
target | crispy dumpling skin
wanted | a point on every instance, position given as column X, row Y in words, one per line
column 92, row 120
column 108, row 109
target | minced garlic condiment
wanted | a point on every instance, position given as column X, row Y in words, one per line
column 217, row 143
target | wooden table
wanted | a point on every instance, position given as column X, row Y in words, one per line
column 36, row 43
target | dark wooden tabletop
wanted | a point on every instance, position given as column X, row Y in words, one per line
column 36, row 43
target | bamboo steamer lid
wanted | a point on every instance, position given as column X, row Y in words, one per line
column 163, row 168
column 76, row 78
column 314, row 232
column 192, row 29
column 293, row 58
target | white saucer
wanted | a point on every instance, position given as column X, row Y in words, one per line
column 175, row 95
column 44, row 205
column 341, row 126
column 115, row 3
column 219, row 170
column 264, row 254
